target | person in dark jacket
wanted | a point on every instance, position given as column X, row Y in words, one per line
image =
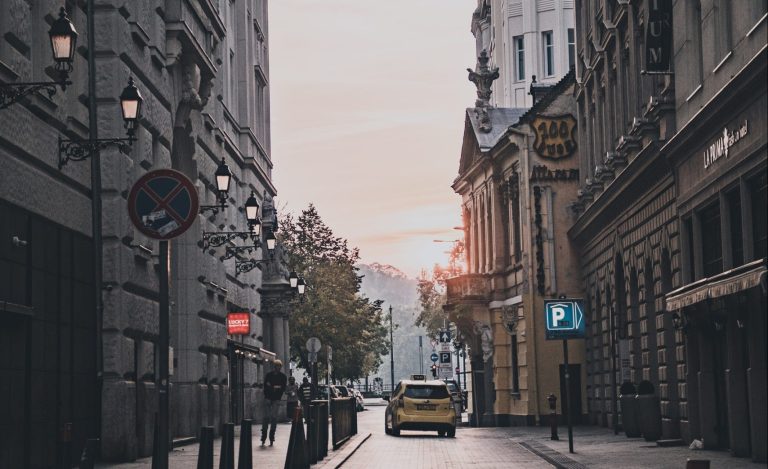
column 274, row 386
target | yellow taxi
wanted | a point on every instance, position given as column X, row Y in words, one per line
column 418, row 404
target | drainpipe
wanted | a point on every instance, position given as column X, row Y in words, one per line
column 95, row 210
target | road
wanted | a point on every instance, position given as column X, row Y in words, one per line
column 472, row 447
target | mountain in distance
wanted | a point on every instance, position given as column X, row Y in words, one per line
column 388, row 283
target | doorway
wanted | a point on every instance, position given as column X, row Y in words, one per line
column 574, row 377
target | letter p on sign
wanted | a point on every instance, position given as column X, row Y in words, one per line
column 558, row 314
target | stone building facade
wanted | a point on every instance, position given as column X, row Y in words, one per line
column 517, row 176
column 202, row 68
column 658, row 82
column 525, row 40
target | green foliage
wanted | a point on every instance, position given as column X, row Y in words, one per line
column 431, row 290
column 332, row 309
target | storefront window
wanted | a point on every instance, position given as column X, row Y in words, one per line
column 712, row 247
column 759, row 209
column 737, row 242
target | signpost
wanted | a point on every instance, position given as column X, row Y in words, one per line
column 565, row 320
column 313, row 346
column 163, row 204
column 434, row 357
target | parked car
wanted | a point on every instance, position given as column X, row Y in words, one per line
column 457, row 394
column 322, row 391
column 343, row 391
column 420, row 405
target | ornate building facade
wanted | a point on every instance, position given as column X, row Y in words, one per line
column 84, row 349
column 517, row 175
column 671, row 245
column 529, row 42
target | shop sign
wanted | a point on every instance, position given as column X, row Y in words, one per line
column 238, row 323
column 719, row 148
column 658, row 36
column 555, row 136
column 542, row 173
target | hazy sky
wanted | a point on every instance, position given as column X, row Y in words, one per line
column 368, row 102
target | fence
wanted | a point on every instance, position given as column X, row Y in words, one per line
column 343, row 419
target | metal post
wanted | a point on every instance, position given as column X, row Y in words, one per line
column 421, row 357
column 93, row 134
column 162, row 356
column 391, row 356
column 568, row 396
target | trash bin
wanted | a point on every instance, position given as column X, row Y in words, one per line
column 648, row 411
column 629, row 417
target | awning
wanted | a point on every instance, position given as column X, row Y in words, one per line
column 251, row 351
column 727, row 283
column 13, row 308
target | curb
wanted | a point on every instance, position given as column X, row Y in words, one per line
column 344, row 453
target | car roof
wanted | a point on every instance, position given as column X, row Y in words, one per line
column 432, row 382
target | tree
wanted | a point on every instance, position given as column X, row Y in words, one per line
column 332, row 309
column 431, row 290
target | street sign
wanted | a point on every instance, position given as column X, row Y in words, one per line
column 445, row 337
column 564, row 319
column 434, row 357
column 163, row 204
column 433, row 342
column 445, row 357
column 313, row 345
column 445, row 373
column 312, row 357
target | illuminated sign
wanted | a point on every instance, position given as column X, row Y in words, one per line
column 238, row 323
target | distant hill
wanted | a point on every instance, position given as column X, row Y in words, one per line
column 388, row 283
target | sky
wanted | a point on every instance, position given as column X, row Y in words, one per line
column 367, row 103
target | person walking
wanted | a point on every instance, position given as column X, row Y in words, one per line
column 274, row 387
column 292, row 395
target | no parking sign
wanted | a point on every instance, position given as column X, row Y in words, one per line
column 163, row 204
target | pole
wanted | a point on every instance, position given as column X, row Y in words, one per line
column 163, row 359
column 391, row 356
column 421, row 358
column 568, row 396
column 93, row 134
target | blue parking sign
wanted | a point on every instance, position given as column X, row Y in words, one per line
column 564, row 319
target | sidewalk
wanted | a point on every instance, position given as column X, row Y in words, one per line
column 185, row 457
column 598, row 447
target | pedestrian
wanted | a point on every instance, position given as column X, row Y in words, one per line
column 306, row 392
column 274, row 387
column 292, row 396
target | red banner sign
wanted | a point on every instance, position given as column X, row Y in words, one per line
column 238, row 323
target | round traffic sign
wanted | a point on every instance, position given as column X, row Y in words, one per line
column 163, row 204
column 434, row 357
column 313, row 344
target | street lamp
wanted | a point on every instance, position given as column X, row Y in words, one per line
column 81, row 149
column 293, row 279
column 63, row 37
column 271, row 241
column 301, row 285
column 223, row 178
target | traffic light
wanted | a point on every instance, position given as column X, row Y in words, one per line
column 434, row 371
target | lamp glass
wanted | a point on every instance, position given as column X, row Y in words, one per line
column 223, row 177
column 251, row 208
column 293, row 279
column 301, row 285
column 271, row 241
column 63, row 38
column 255, row 227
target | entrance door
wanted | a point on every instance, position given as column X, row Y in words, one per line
column 719, row 361
column 575, row 392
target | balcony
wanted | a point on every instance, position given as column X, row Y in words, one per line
column 468, row 287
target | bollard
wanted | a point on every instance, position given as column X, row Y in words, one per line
column 553, row 417
column 205, row 456
column 245, row 458
column 88, row 457
column 312, row 433
column 227, row 460
column 697, row 464
column 297, row 448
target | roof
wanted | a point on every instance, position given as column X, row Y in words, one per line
column 431, row 382
column 501, row 119
column 552, row 93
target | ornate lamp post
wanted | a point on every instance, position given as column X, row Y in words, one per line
column 63, row 37
column 223, row 178
column 81, row 149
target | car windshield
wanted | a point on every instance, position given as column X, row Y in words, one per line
column 452, row 386
column 343, row 391
column 426, row 391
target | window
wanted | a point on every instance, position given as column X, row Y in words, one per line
column 571, row 48
column 425, row 391
column 688, row 252
column 549, row 54
column 515, row 371
column 519, row 43
column 759, row 208
column 734, row 212
column 712, row 246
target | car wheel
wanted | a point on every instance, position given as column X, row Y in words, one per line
column 441, row 433
column 452, row 432
column 386, row 425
